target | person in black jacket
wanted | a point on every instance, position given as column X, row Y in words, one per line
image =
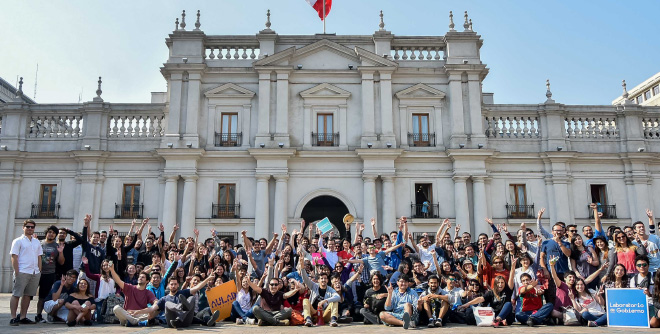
column 118, row 253
column 374, row 300
column 68, row 248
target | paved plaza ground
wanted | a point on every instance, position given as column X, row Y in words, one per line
column 227, row 327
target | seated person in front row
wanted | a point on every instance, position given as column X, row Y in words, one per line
column 533, row 311
column 400, row 305
column 54, row 305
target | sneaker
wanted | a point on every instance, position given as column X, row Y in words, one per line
column 284, row 322
column 333, row 323
column 87, row 322
column 173, row 322
column 13, row 322
column 50, row 319
column 412, row 324
column 308, row 322
column 39, row 318
column 250, row 321
column 496, row 323
column 123, row 323
column 345, row 320
column 143, row 323
column 438, row 322
column 592, row 324
column 406, row 320
column 214, row 318
column 26, row 321
column 260, row 323
column 530, row 322
column 71, row 323
column 431, row 324
column 240, row 321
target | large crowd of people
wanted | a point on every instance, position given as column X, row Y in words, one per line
column 554, row 276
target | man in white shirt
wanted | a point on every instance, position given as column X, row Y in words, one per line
column 26, row 255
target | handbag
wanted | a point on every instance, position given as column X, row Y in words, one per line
column 570, row 317
column 484, row 316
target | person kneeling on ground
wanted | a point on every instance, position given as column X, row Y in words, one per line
column 400, row 305
column 533, row 311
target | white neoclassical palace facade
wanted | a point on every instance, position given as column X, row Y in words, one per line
column 256, row 131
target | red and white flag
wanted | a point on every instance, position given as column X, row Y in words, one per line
column 318, row 6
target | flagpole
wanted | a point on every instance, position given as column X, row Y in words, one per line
column 324, row 17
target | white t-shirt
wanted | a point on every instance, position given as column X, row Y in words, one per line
column 454, row 296
column 590, row 304
column 425, row 255
column 29, row 253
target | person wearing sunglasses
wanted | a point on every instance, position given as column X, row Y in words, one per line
column 649, row 241
column 26, row 252
column 452, row 299
column 643, row 279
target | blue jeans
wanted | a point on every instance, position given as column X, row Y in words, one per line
column 237, row 312
column 601, row 320
column 505, row 311
column 538, row 317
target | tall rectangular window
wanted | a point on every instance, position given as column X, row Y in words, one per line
column 518, row 199
column 640, row 99
column 423, row 207
column 656, row 90
column 324, row 129
column 226, row 207
column 131, row 201
column 599, row 194
column 48, row 196
column 229, row 130
column 647, row 95
column 420, row 125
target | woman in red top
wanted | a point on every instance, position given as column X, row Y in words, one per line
column 624, row 253
column 489, row 272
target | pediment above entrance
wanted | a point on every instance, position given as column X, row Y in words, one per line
column 325, row 90
column 325, row 54
column 420, row 91
column 229, row 90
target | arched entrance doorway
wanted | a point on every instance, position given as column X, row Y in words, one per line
column 326, row 206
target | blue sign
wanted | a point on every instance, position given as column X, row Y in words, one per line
column 627, row 308
column 324, row 225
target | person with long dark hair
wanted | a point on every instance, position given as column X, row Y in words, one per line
column 80, row 304
column 589, row 304
column 624, row 253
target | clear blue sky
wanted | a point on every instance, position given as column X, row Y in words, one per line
column 585, row 48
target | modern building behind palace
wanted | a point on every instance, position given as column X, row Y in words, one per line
column 260, row 130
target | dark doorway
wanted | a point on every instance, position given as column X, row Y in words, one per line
column 326, row 206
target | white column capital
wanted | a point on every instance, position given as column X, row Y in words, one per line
column 479, row 179
column 460, row 178
column 369, row 178
column 190, row 178
column 387, row 178
column 170, row 178
column 262, row 177
column 281, row 178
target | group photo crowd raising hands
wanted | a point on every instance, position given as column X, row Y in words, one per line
column 517, row 275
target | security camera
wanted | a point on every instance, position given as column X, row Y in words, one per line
column 262, row 145
column 170, row 145
column 389, row 145
column 465, row 61
column 185, row 60
column 88, row 147
column 641, row 149
column 280, row 145
column 3, row 147
column 369, row 145
column 560, row 148
column 299, row 66
column 189, row 145
column 480, row 146
column 350, row 66
column 461, row 145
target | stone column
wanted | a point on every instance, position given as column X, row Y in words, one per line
column 387, row 125
column 281, row 201
column 282, row 121
column 261, row 213
column 367, row 106
column 170, row 201
column 389, row 205
column 370, row 204
column 479, row 204
column 188, row 212
column 263, row 121
column 456, row 110
column 192, row 109
column 461, row 202
column 8, row 202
